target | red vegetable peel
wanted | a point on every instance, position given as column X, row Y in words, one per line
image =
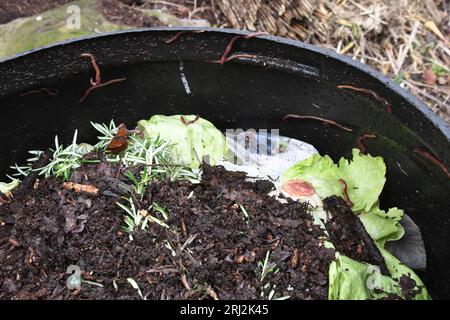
column 299, row 188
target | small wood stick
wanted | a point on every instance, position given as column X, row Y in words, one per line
column 233, row 40
column 183, row 228
column 360, row 141
column 162, row 270
column 323, row 120
column 386, row 103
column 5, row 198
column 294, row 258
column 81, row 188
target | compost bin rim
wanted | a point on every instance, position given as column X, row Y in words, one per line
column 438, row 122
column 422, row 121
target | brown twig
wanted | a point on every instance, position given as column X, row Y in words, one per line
column 360, row 141
column 189, row 122
column 81, row 188
column 5, row 198
column 427, row 155
column 346, row 197
column 183, row 228
column 44, row 273
column 386, row 103
column 97, row 83
column 233, row 40
column 47, row 91
column 163, row 269
column 294, row 258
column 179, row 34
column 323, row 120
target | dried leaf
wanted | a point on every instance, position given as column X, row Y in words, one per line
column 430, row 25
column 429, row 77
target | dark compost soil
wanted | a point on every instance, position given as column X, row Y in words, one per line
column 46, row 228
column 349, row 236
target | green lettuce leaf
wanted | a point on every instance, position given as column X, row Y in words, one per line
column 192, row 142
column 365, row 178
column 319, row 171
column 383, row 226
column 364, row 175
column 397, row 269
column 352, row 280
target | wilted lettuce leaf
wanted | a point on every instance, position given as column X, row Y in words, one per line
column 383, row 226
column 353, row 280
column 192, row 140
column 364, row 175
column 365, row 178
column 397, row 269
column 320, row 172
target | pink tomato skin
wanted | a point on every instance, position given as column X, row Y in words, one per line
column 298, row 187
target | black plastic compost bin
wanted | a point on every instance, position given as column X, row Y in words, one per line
column 255, row 92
